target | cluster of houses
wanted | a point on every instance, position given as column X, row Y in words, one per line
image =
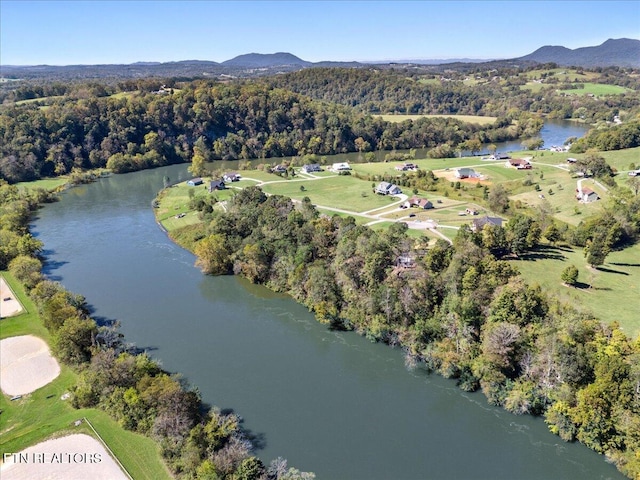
column 218, row 184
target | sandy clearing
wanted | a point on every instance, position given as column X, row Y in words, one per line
column 74, row 457
column 25, row 365
column 9, row 304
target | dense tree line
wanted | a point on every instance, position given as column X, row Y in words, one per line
column 144, row 130
column 498, row 93
column 609, row 137
column 459, row 310
column 196, row 442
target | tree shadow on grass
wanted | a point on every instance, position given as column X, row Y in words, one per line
column 625, row 264
column 544, row 252
column 609, row 270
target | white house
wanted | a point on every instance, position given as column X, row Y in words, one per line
column 340, row 167
column 231, row 177
column 586, row 195
column 313, row 167
column 386, row 188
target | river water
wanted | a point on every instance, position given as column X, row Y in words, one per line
column 330, row 402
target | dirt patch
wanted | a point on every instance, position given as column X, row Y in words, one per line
column 74, row 457
column 25, row 365
column 450, row 175
column 9, row 304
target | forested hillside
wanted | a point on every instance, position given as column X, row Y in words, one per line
column 458, row 310
column 484, row 91
column 137, row 130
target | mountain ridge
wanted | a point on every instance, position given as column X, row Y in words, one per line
column 622, row 52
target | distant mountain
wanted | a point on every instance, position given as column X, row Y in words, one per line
column 266, row 60
column 622, row 52
column 432, row 61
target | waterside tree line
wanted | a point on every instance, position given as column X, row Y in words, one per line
column 460, row 310
column 223, row 121
column 196, row 442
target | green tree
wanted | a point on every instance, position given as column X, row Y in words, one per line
column 26, row 269
column 213, row 255
column 596, row 251
column 570, row 275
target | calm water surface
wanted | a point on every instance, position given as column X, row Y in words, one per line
column 330, row 402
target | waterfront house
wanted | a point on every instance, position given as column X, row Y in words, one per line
column 195, row 181
column 312, row 167
column 231, row 177
column 216, row 185
column 340, row 167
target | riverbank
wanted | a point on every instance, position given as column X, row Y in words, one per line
column 45, row 414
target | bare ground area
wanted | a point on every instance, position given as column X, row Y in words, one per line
column 9, row 304
column 74, row 457
column 26, row 364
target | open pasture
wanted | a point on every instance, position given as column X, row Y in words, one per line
column 596, row 89
column 342, row 191
column 611, row 291
column 562, row 199
column 480, row 120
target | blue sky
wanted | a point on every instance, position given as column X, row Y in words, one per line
column 92, row 32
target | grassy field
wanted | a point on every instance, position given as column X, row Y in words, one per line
column 463, row 118
column 42, row 414
column 611, row 292
column 343, row 191
column 46, row 183
column 597, row 89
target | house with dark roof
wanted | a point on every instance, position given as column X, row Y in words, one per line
column 478, row 223
column 216, row 185
column 195, row 181
column 466, row 173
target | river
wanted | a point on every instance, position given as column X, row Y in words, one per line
column 330, row 402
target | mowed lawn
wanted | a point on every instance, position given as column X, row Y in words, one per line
column 42, row 414
column 611, row 292
column 344, row 191
column 597, row 89
column 175, row 202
